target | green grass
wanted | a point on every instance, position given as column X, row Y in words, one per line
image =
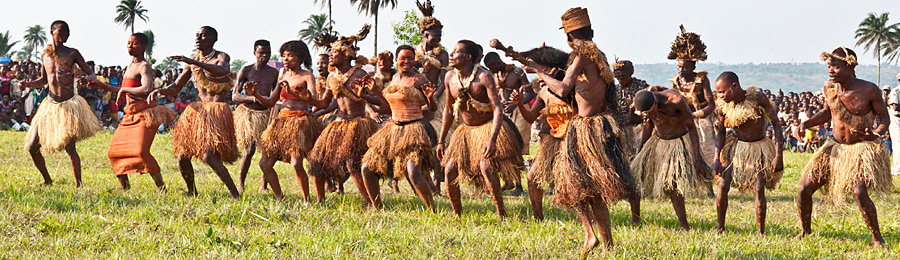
column 102, row 221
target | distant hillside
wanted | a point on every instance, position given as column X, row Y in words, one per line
column 794, row 77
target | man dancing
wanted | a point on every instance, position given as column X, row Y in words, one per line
column 65, row 118
column 251, row 117
column 594, row 149
column 339, row 149
column 129, row 149
column 695, row 87
column 433, row 59
column 510, row 78
column 206, row 128
column 404, row 146
column 853, row 160
column 627, row 86
column 486, row 147
column 668, row 160
column 746, row 159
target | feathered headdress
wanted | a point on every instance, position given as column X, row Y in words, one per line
column 347, row 45
column 428, row 22
column 623, row 67
column 688, row 47
column 324, row 40
column 849, row 58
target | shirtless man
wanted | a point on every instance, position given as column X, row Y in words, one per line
column 669, row 162
column 251, row 117
column 339, row 149
column 853, row 160
column 594, row 152
column 433, row 59
column 746, row 160
column 212, row 138
column 129, row 149
column 485, row 148
column 65, row 118
column 695, row 87
column 510, row 78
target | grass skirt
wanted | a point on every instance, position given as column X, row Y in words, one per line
column 289, row 135
column 843, row 166
column 546, row 160
column 340, row 148
column 668, row 165
column 468, row 142
column 58, row 124
column 249, row 125
column 206, row 126
column 748, row 160
column 594, row 163
column 395, row 144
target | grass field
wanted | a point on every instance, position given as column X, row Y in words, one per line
column 102, row 221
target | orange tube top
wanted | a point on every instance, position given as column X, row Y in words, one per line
column 558, row 116
column 406, row 102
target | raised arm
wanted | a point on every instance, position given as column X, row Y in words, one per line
column 219, row 68
column 175, row 88
column 819, row 118
column 565, row 86
column 236, row 95
column 529, row 113
column 37, row 83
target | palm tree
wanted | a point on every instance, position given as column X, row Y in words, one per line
column 151, row 42
column 875, row 33
column 167, row 64
column 237, row 64
column 892, row 48
column 323, row 3
column 24, row 54
column 315, row 25
column 371, row 7
column 5, row 46
column 35, row 37
column 128, row 11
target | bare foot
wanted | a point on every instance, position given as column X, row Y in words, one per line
column 190, row 193
column 589, row 244
column 721, row 230
column 801, row 235
column 161, row 189
column 46, row 184
column 878, row 244
column 517, row 192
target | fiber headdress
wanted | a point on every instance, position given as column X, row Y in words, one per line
column 688, row 47
column 623, row 67
column 381, row 56
column 324, row 40
column 428, row 22
column 574, row 19
column 347, row 45
column 850, row 59
column 548, row 56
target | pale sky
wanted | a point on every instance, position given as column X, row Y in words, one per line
column 759, row 31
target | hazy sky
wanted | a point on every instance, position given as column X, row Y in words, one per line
column 756, row 31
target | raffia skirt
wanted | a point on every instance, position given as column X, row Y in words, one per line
column 668, row 165
column 289, row 134
column 468, row 142
column 547, row 158
column 594, row 163
column 396, row 143
column 249, row 125
column 843, row 166
column 206, row 126
column 129, row 149
column 748, row 160
column 59, row 123
column 340, row 148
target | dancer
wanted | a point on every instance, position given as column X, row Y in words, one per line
column 404, row 146
column 251, row 117
column 65, row 118
column 853, row 160
column 206, row 128
column 129, row 149
column 687, row 50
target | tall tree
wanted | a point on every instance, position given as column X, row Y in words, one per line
column 315, row 25
column 407, row 30
column 167, row 64
column 151, row 42
column 323, row 3
column 129, row 10
column 6, row 47
column 35, row 37
column 25, row 53
column 372, row 7
column 875, row 34
column 891, row 50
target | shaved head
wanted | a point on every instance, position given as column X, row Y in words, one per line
column 728, row 77
column 644, row 100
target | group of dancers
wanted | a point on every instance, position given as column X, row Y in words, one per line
column 460, row 120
